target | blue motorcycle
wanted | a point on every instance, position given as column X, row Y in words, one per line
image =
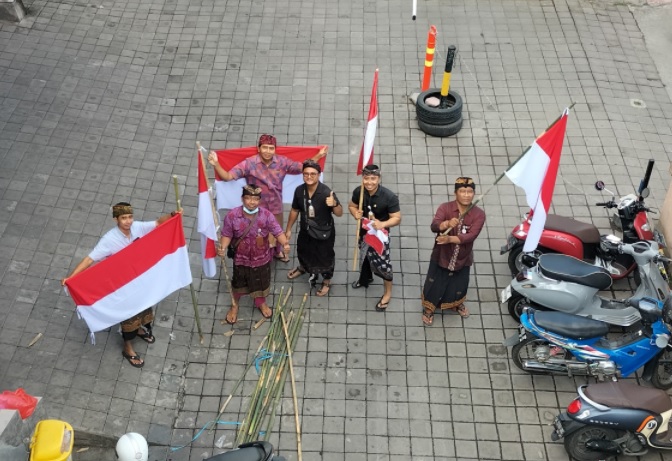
column 559, row 343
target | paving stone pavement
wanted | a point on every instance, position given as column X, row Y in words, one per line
column 103, row 101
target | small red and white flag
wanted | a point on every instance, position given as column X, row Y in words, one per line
column 366, row 154
column 228, row 192
column 206, row 223
column 133, row 279
column 375, row 238
column 536, row 172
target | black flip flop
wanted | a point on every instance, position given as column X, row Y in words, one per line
column 130, row 357
column 380, row 307
column 147, row 337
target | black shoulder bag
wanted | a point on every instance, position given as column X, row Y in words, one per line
column 314, row 230
column 231, row 250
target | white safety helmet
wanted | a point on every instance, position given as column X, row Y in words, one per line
column 132, row 447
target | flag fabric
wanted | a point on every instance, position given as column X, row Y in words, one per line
column 206, row 223
column 376, row 239
column 228, row 192
column 536, row 173
column 366, row 153
column 133, row 279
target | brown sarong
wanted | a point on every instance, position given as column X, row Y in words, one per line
column 253, row 281
column 143, row 318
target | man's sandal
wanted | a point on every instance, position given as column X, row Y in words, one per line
column 463, row 311
column 381, row 306
column 294, row 273
column 282, row 257
column 269, row 312
column 231, row 319
column 324, row 290
column 427, row 317
column 130, row 359
column 147, row 337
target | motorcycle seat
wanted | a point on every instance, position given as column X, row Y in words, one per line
column 625, row 394
column 569, row 325
column 569, row 269
column 585, row 232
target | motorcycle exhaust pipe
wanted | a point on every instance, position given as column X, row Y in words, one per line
column 604, row 446
column 532, row 365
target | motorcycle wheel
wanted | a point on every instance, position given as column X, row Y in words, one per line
column 515, row 255
column 516, row 304
column 526, row 350
column 662, row 374
column 575, row 443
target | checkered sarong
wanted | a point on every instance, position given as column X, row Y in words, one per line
column 381, row 265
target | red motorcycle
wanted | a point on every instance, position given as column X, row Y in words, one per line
column 583, row 240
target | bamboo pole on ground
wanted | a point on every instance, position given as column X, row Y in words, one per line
column 191, row 285
column 293, row 378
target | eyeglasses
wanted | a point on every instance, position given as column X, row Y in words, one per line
column 310, row 175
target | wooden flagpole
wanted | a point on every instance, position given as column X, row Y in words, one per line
column 355, row 257
column 499, row 178
column 191, row 285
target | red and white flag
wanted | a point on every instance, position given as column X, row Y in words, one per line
column 366, row 154
column 133, row 279
column 375, row 238
column 536, row 172
column 206, row 223
column 228, row 192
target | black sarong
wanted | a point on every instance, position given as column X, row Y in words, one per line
column 444, row 289
column 253, row 281
column 316, row 256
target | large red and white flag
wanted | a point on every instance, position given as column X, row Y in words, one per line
column 228, row 192
column 206, row 223
column 133, row 279
column 375, row 238
column 366, row 153
column 536, row 172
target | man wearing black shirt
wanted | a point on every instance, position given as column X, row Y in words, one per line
column 381, row 206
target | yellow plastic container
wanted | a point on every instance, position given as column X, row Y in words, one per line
column 52, row 441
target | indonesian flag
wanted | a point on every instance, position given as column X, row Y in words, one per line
column 366, row 154
column 229, row 192
column 536, row 172
column 133, row 279
column 206, row 223
column 375, row 238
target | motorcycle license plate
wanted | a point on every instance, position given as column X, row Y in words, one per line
column 506, row 294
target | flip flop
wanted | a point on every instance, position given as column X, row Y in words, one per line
column 380, row 307
column 324, row 290
column 130, row 357
column 282, row 257
column 427, row 318
column 235, row 317
column 147, row 337
column 357, row 284
column 463, row 311
column 294, row 273
column 262, row 312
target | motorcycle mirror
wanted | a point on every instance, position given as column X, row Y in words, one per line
column 645, row 192
column 599, row 185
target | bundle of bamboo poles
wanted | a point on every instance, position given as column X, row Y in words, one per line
column 280, row 343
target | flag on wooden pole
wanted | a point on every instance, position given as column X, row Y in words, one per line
column 206, row 222
column 366, row 154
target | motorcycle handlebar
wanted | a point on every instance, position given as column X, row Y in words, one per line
column 606, row 204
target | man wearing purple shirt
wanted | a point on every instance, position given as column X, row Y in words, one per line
column 247, row 228
column 267, row 171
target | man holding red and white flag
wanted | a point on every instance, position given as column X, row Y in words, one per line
column 278, row 176
column 138, row 265
column 536, row 172
column 206, row 222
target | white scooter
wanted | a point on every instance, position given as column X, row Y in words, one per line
column 563, row 283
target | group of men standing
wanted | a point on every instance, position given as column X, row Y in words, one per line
column 252, row 235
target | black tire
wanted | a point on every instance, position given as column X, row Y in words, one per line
column 441, row 131
column 575, row 443
column 516, row 304
column 515, row 255
column 436, row 115
column 662, row 372
column 525, row 350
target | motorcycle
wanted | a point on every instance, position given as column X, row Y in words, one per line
column 582, row 240
column 615, row 418
column 566, row 284
column 558, row 343
column 253, row 451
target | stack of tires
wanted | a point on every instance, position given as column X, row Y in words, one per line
column 437, row 121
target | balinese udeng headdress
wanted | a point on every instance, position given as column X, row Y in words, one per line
column 267, row 139
column 121, row 209
column 251, row 189
column 464, row 181
column 371, row 170
column 310, row 163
